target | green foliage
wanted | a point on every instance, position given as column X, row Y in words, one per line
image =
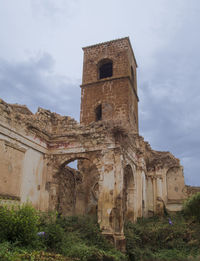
column 18, row 224
column 87, row 230
column 156, row 239
column 6, row 253
column 10, row 252
column 71, row 237
column 54, row 238
column 78, row 237
column 191, row 206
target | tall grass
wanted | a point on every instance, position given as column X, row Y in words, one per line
column 159, row 238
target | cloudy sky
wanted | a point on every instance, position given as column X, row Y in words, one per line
column 41, row 62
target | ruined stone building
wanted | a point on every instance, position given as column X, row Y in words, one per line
column 119, row 177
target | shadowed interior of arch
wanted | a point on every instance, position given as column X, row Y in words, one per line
column 78, row 187
column 128, row 193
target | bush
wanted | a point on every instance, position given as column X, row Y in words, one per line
column 54, row 237
column 73, row 237
column 5, row 252
column 191, row 206
column 18, row 224
column 87, row 230
column 78, row 237
column 10, row 252
column 156, row 239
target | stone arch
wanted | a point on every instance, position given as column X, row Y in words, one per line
column 128, row 193
column 74, row 191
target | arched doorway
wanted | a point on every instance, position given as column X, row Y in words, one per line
column 128, row 194
column 77, row 187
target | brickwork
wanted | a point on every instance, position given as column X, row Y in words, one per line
column 117, row 94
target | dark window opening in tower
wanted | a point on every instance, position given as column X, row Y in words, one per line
column 105, row 70
column 132, row 74
column 98, row 112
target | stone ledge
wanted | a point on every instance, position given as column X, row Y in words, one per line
column 9, row 197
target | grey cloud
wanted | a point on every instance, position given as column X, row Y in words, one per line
column 34, row 83
column 51, row 8
column 170, row 98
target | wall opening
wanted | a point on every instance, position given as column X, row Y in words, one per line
column 143, row 194
column 128, row 194
column 105, row 69
column 132, row 74
column 73, row 164
column 77, row 188
column 98, row 113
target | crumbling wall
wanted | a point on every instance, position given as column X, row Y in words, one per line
column 119, row 176
column 191, row 190
column 77, row 189
column 21, row 155
column 11, row 169
column 175, row 184
column 67, row 180
column 87, row 188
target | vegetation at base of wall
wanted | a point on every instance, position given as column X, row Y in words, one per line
column 26, row 234
column 19, row 224
column 10, row 252
column 163, row 238
column 191, row 207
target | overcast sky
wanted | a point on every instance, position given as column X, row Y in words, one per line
column 41, row 62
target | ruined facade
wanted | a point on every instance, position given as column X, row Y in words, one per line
column 119, row 177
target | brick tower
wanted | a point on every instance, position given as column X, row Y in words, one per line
column 109, row 85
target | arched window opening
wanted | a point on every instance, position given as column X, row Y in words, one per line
column 98, row 112
column 105, row 69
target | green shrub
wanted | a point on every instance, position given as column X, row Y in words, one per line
column 18, row 224
column 156, row 239
column 77, row 237
column 54, row 237
column 73, row 237
column 10, row 252
column 192, row 206
column 87, row 230
column 5, row 253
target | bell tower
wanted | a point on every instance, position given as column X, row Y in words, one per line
column 109, row 83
